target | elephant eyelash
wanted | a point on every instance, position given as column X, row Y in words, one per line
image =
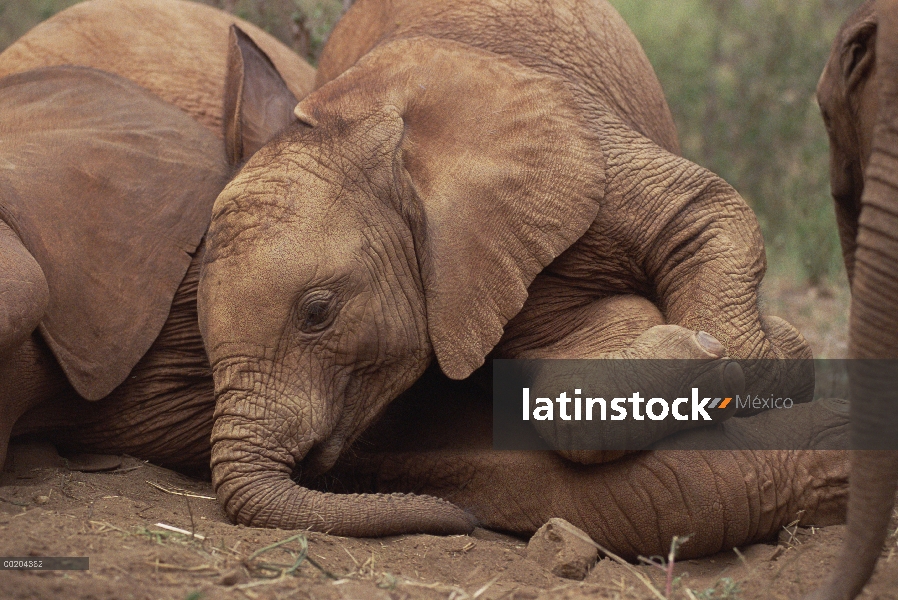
column 316, row 311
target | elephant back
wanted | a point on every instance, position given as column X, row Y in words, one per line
column 177, row 50
column 110, row 189
column 586, row 44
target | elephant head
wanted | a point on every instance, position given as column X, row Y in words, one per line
column 847, row 96
column 363, row 242
column 873, row 326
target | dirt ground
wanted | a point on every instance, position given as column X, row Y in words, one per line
column 50, row 508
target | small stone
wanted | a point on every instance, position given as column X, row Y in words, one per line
column 41, row 499
column 563, row 549
column 233, row 577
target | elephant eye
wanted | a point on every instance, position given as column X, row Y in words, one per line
column 316, row 311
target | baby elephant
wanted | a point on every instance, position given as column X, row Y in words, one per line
column 472, row 179
column 395, row 232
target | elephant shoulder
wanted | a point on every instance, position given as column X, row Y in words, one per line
column 110, row 189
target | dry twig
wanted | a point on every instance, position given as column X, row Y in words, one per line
column 181, row 531
column 280, row 571
column 169, row 567
column 176, row 492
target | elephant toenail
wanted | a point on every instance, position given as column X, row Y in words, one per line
column 709, row 343
column 734, row 378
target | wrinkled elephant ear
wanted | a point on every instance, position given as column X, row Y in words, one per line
column 110, row 189
column 257, row 101
column 495, row 170
column 857, row 42
column 508, row 177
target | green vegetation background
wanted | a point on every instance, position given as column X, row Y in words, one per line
column 739, row 76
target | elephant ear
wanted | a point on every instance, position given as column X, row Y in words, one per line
column 857, row 47
column 110, row 189
column 257, row 101
column 498, row 174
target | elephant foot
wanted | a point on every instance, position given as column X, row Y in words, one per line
column 634, row 351
column 788, row 372
column 683, row 368
column 787, row 340
column 28, row 375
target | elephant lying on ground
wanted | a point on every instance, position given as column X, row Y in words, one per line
column 163, row 410
column 858, row 95
column 472, row 179
column 181, row 52
column 105, row 193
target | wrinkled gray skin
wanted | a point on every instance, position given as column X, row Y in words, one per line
column 470, row 178
column 858, row 96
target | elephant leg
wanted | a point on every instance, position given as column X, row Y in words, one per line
column 584, row 330
column 630, row 330
column 874, row 479
column 697, row 245
column 24, row 297
column 633, row 506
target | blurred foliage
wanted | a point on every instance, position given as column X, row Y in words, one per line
column 739, row 75
column 740, row 78
column 18, row 16
column 301, row 24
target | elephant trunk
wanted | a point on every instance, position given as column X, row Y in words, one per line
column 252, row 475
column 873, row 334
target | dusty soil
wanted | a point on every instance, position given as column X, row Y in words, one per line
column 50, row 509
column 820, row 313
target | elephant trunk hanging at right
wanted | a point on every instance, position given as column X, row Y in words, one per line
column 442, row 182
